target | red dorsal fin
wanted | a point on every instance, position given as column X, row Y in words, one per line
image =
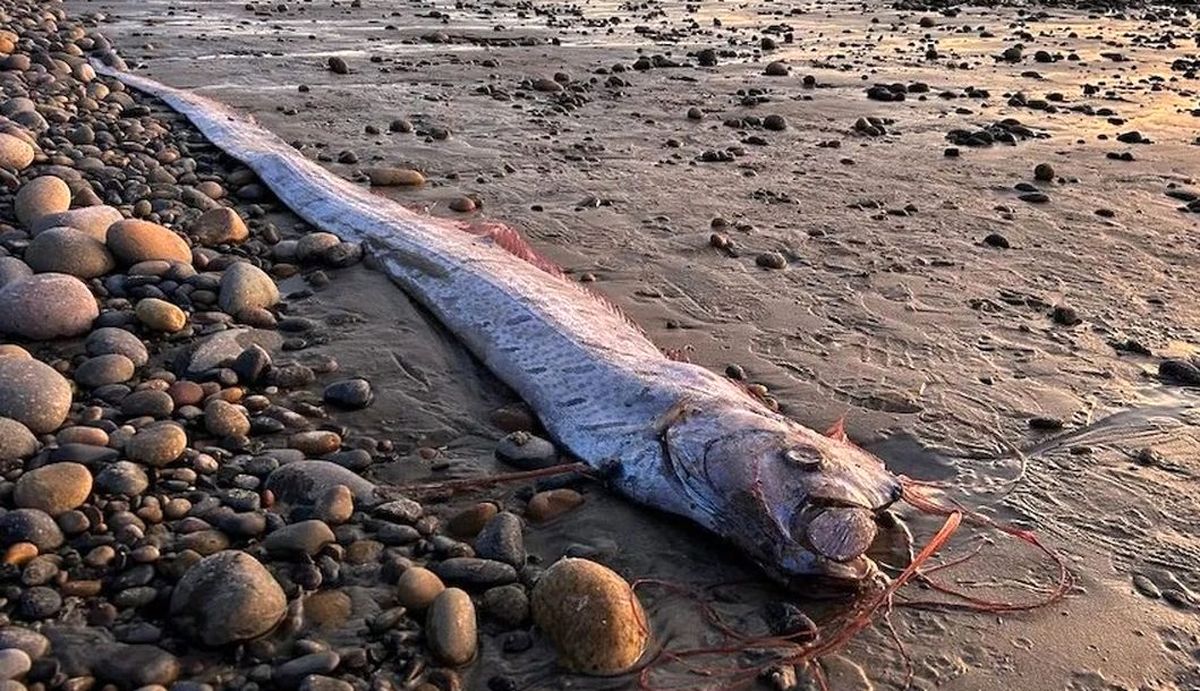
column 509, row 240
column 838, row 430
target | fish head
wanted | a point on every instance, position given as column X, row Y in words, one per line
column 802, row 504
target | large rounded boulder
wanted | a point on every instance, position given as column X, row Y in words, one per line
column 133, row 241
column 591, row 615
column 34, row 394
column 46, row 306
column 226, row 598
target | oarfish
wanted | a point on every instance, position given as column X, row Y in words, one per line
column 668, row 434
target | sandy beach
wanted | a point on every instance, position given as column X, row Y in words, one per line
column 967, row 230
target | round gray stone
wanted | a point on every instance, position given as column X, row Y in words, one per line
column 16, row 441
column 46, row 306
column 69, row 251
column 112, row 340
column 13, row 270
column 245, row 286
column 41, row 196
column 226, row 598
column 30, row 525
column 103, row 370
column 93, row 220
column 34, row 394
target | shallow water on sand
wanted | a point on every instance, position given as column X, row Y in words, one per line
column 937, row 348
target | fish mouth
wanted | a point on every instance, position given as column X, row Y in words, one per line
column 837, row 530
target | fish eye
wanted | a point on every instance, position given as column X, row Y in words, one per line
column 807, row 457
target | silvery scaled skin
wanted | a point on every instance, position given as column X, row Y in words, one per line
column 668, row 434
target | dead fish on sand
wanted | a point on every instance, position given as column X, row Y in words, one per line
column 671, row 435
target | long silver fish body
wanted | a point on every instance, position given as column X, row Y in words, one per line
column 668, row 434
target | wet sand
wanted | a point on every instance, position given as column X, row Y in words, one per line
column 892, row 309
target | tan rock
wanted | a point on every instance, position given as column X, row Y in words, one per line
column 395, row 177
column 219, row 226
column 418, row 587
column 157, row 445
column 41, row 196
column 160, row 315
column 591, row 615
column 33, row 393
column 46, row 306
column 15, row 154
column 545, row 506
column 451, row 628
column 56, row 488
column 133, row 241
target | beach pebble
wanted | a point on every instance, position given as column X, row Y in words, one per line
column 112, row 340
column 349, row 394
column 462, row 204
column 1043, row 172
column 313, row 246
column 34, row 394
column 335, row 505
column 16, row 441
column 158, row 445
column 297, row 539
column 450, row 628
column 227, row 597
column 244, row 287
column 395, row 177
column 220, row 226
column 545, row 506
column 292, row 673
column 122, row 478
column 997, row 240
column 69, row 251
column 507, row 604
column 338, row 65
column 14, row 664
column 418, row 587
column 32, row 643
column 1065, row 315
column 55, row 489
column 46, row 306
column 139, row 666
column 102, row 370
column 525, row 451
column 251, row 364
column 39, row 602
column 591, row 616
column 771, row 260
column 132, row 241
column 93, row 220
column 468, row 522
column 224, row 419
column 32, row 526
column 160, row 315
column 303, row 482
column 15, row 153
column 316, row 442
column 501, row 539
column 13, row 270
column 41, row 196
column 148, row 403
column 472, row 571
